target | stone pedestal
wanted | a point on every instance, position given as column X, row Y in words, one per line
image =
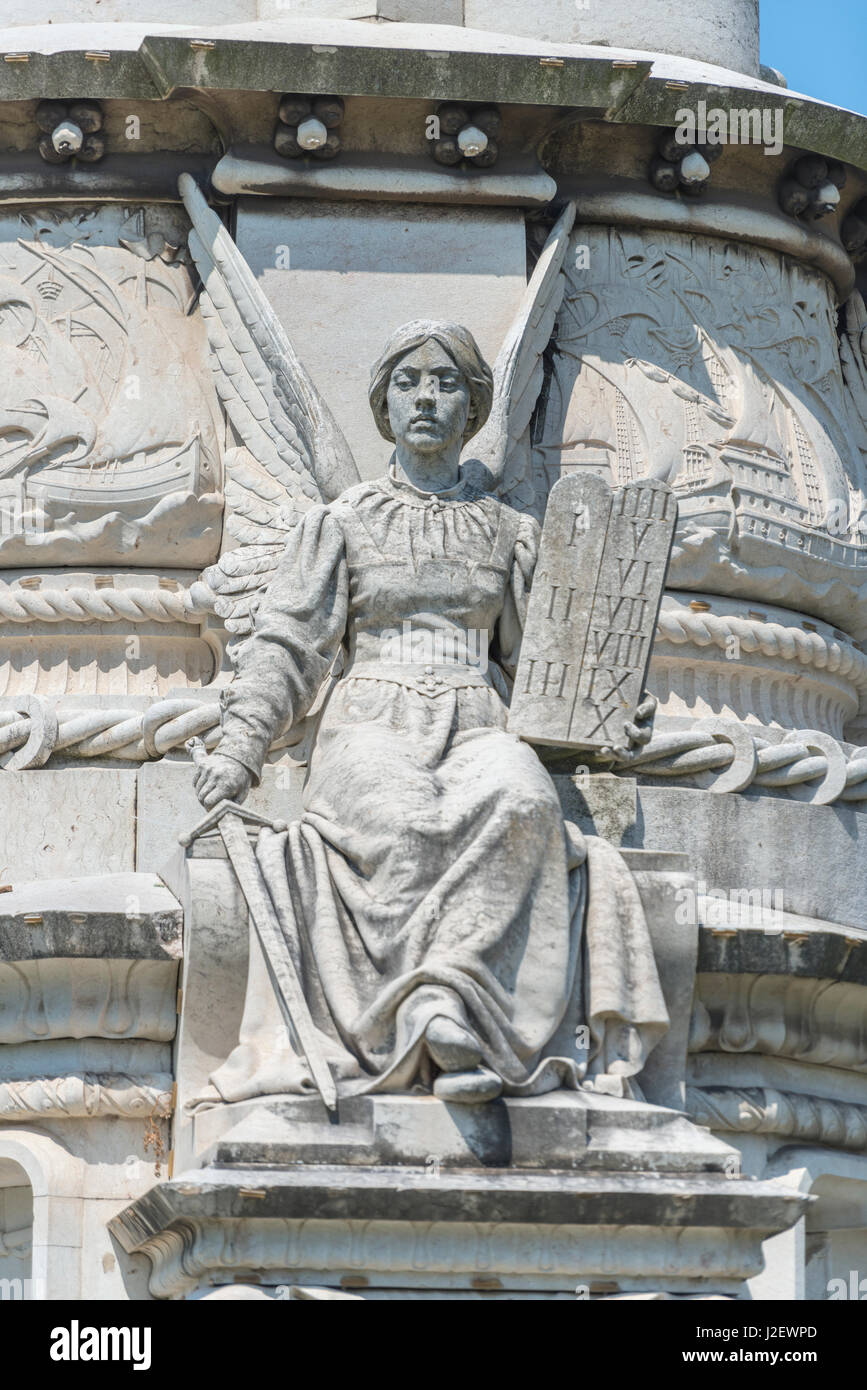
column 560, row 1196
column 88, row 1010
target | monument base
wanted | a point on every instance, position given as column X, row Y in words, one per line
column 408, row 1197
column 561, row 1130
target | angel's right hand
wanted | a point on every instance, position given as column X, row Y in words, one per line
column 219, row 778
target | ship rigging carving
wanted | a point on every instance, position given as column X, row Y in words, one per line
column 715, row 367
column 109, row 428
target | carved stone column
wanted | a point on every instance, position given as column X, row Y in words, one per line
column 710, row 339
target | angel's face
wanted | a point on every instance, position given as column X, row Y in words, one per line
column 428, row 400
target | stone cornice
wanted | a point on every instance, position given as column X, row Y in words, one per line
column 430, row 62
column 532, row 1229
column 793, row 946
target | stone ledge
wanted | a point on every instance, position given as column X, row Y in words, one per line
column 795, row 946
column 386, row 1193
column 439, row 62
column 562, row 1130
column 130, row 916
column 463, row 1232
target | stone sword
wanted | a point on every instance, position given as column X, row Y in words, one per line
column 230, row 819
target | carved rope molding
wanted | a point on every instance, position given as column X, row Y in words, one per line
column 678, row 625
column 762, row 1110
column 86, row 1096
column 748, row 760
column 80, row 605
column 102, row 733
column 724, row 756
column 740, row 759
column 721, row 756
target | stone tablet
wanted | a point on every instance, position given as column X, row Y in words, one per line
column 592, row 611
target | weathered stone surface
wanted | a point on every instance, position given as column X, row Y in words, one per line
column 99, row 1056
column 629, row 398
column 806, row 853
column 592, row 614
column 111, row 916
column 109, row 642
column 99, row 476
column 713, row 342
column 359, row 1227
column 57, row 823
column 715, row 656
column 790, row 945
column 214, row 982
column 84, row 958
column 168, row 806
column 382, row 1193
column 719, row 31
column 563, row 1130
column 662, row 880
column 598, row 803
column 458, row 560
column 87, row 998
column 85, row 1095
column 468, row 266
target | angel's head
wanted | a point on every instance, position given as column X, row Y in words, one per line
column 431, row 389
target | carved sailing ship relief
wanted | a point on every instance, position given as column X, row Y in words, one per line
column 717, row 369
column 109, row 432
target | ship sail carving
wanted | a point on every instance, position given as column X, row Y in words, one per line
column 108, row 421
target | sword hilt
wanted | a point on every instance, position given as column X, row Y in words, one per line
column 197, row 751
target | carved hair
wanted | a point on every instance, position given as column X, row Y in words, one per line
column 461, row 347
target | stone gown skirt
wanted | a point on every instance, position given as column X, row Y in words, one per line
column 431, row 874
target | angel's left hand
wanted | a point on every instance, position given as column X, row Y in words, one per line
column 638, row 732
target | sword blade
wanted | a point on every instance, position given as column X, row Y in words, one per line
column 265, row 920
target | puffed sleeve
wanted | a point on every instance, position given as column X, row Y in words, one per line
column 512, row 618
column 296, row 636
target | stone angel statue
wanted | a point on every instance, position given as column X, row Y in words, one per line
column 450, row 931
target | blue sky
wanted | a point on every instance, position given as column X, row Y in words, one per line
column 820, row 49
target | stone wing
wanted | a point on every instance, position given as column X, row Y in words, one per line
column 503, row 445
column 290, row 450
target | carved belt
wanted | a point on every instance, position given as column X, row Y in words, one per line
column 426, row 680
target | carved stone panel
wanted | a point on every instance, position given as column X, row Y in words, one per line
column 716, row 366
column 109, row 427
column 592, row 613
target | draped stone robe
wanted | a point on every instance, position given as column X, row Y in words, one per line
column 431, row 872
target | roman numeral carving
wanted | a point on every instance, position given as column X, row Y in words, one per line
column 546, row 678
column 592, row 611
